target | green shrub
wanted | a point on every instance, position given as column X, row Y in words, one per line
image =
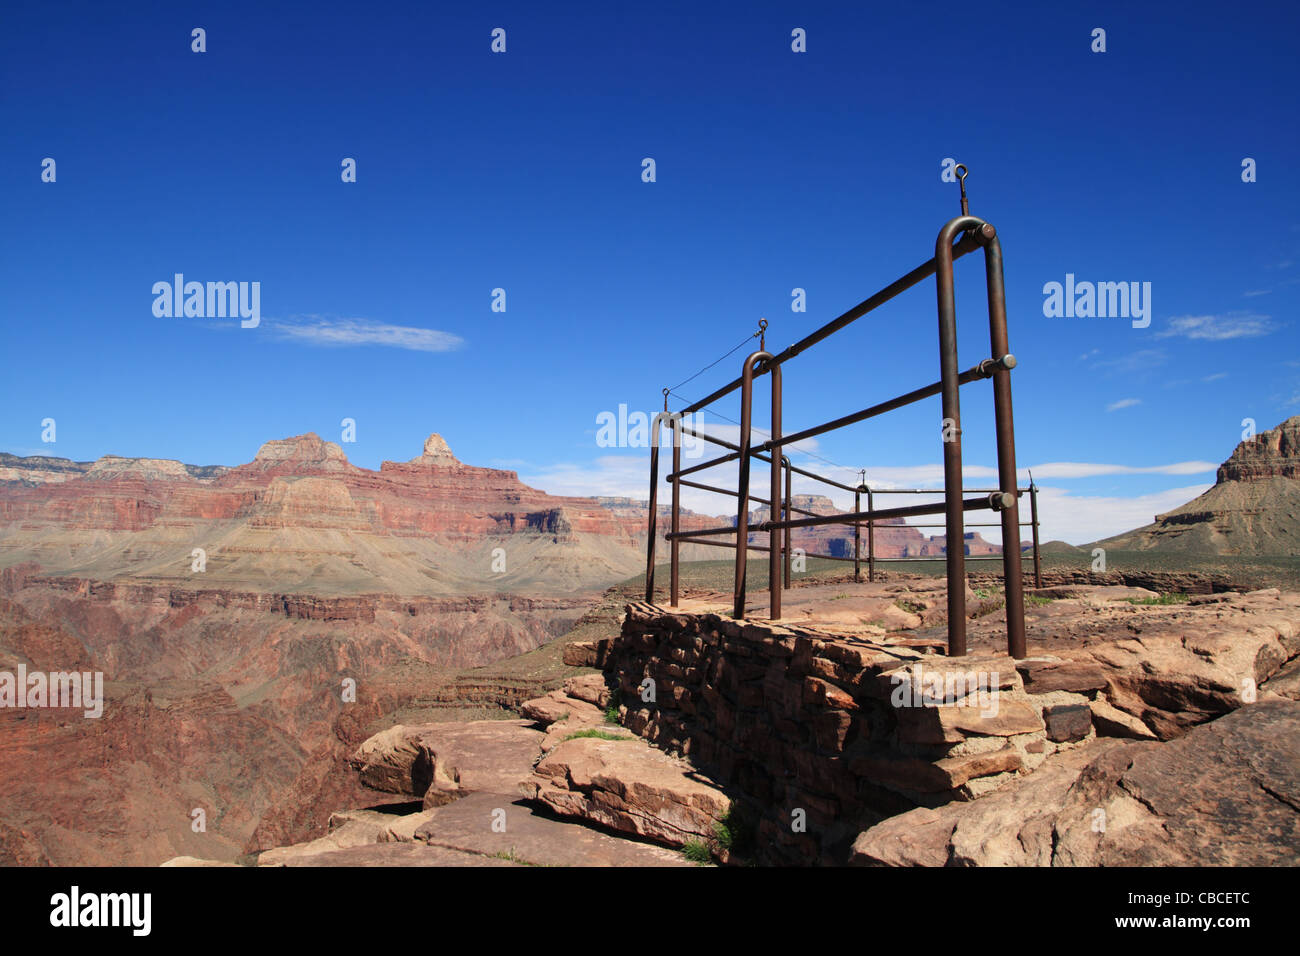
column 598, row 734
column 1171, row 598
column 697, row 851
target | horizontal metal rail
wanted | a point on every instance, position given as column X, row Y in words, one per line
column 909, row 398
column 969, row 504
column 736, row 494
column 852, row 517
column 937, row 557
column 837, row 557
column 702, row 466
column 958, row 237
column 728, row 545
column 969, row 243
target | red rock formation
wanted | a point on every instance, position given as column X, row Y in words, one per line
column 1271, row 454
column 894, row 538
column 1253, row 507
column 224, row 685
column 301, row 517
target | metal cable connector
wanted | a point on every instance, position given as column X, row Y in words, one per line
column 961, row 178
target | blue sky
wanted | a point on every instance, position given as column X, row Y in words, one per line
column 775, row 170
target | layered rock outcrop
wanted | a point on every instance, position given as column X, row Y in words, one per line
column 233, row 606
column 827, row 725
column 1270, row 454
column 1253, row 508
column 302, row 516
column 1226, row 794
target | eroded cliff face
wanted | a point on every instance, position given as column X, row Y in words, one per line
column 230, row 609
column 300, row 518
column 1253, row 507
column 240, row 617
column 219, row 701
column 1271, row 454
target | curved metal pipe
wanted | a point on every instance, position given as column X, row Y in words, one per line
column 955, row 549
column 742, row 506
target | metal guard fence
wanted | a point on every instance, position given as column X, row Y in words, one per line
column 957, row 238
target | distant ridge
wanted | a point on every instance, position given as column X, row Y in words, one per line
column 1253, row 508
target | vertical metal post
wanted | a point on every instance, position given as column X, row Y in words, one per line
column 857, row 538
column 742, row 486
column 954, row 516
column 675, row 578
column 773, row 535
column 1012, row 570
column 654, row 505
column 786, row 462
column 871, row 539
column 1033, row 516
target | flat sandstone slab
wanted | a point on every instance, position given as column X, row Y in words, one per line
column 397, row 854
column 629, row 786
column 475, row 824
column 1227, row 793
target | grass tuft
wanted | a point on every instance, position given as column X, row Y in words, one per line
column 697, row 851
column 1171, row 598
column 597, row 734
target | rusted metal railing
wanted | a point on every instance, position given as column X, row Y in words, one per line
column 959, row 236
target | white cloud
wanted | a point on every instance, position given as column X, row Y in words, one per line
column 1081, row 469
column 1218, row 328
column 1123, row 403
column 1064, row 515
column 319, row 330
column 1142, row 360
column 1079, row 519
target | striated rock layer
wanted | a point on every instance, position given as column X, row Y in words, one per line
column 301, row 518
column 1253, row 508
column 242, row 619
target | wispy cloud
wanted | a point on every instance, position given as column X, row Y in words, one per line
column 1123, row 403
column 1204, row 379
column 1082, row 518
column 327, row 331
column 1142, row 360
column 1219, row 328
column 1073, row 518
column 1083, row 469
